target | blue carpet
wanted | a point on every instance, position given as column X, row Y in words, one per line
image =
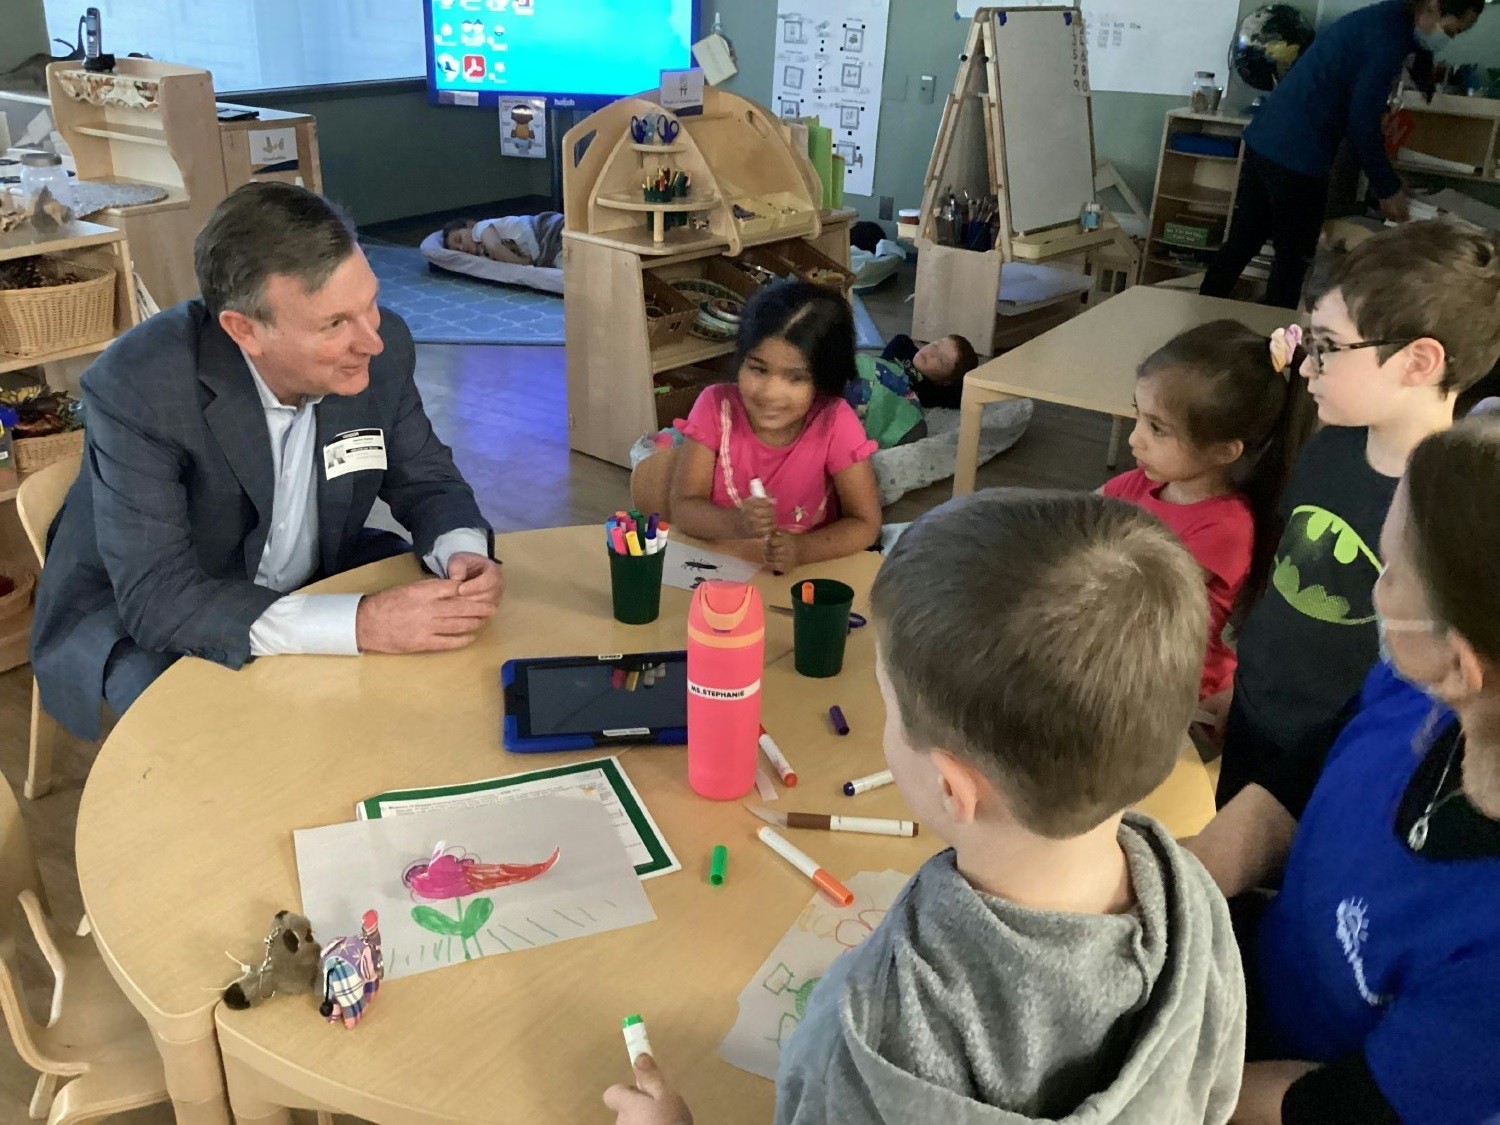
column 445, row 308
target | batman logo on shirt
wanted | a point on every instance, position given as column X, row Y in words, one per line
column 1324, row 569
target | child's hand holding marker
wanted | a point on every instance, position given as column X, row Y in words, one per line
column 758, row 514
column 650, row 1101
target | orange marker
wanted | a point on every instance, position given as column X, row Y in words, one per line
column 839, row 894
column 807, row 593
column 778, row 759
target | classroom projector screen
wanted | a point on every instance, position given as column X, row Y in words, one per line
column 580, row 53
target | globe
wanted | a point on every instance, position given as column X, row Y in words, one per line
column 1269, row 41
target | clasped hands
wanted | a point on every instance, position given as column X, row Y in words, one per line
column 758, row 521
column 432, row 614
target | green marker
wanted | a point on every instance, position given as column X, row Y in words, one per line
column 635, row 1037
column 717, row 865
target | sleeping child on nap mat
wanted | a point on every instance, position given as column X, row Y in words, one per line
column 520, row 240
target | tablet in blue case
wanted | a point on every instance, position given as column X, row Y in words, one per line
column 582, row 702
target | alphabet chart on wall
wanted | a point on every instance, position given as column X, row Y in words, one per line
column 830, row 63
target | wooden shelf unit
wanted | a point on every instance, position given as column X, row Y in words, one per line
column 736, row 153
column 87, row 244
column 1465, row 130
column 1187, row 182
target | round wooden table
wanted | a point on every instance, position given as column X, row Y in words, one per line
column 185, row 851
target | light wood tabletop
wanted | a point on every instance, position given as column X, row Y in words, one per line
column 185, row 851
column 1090, row 360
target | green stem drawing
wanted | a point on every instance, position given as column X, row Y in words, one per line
column 465, row 924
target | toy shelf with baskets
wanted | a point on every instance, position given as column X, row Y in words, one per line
column 42, row 326
column 650, row 308
column 39, row 326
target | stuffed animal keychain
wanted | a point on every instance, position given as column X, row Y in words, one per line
column 290, row 964
column 351, row 970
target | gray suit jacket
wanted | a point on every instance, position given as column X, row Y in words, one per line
column 160, row 537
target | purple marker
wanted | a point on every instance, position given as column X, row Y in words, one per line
column 840, row 724
column 651, row 526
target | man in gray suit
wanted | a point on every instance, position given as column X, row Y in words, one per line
column 235, row 446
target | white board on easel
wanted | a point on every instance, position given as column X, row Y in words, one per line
column 1044, row 104
column 1148, row 46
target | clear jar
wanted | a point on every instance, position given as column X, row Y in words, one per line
column 1205, row 98
column 45, row 170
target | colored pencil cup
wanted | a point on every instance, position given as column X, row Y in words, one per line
column 820, row 629
column 635, row 586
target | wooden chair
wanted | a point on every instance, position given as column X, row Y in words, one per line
column 37, row 502
column 651, row 483
column 94, row 1044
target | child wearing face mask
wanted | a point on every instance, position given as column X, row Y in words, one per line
column 1371, row 974
column 782, row 429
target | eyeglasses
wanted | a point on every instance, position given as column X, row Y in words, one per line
column 1317, row 351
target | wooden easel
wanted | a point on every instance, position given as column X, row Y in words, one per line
column 957, row 288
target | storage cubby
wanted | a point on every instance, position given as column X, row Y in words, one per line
column 1192, row 185
column 630, row 372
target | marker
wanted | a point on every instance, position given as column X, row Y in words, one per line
column 757, row 490
column 635, row 1038
column 633, row 542
column 778, row 759
column 824, row 822
column 651, row 525
column 865, row 784
column 717, row 864
column 836, row 716
column 807, row 593
column 617, row 539
column 805, row 863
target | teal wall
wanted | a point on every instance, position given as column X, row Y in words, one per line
column 390, row 155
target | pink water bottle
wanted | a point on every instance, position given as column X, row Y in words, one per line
column 725, row 659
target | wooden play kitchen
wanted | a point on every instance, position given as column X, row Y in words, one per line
column 1016, row 149
column 672, row 222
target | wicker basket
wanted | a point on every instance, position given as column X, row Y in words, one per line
column 35, row 322
column 33, row 453
column 676, row 313
column 18, row 600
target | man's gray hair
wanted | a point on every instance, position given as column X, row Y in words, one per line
column 261, row 229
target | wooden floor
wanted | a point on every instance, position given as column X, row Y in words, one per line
column 503, row 410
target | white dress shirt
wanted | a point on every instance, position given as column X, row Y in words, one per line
column 311, row 623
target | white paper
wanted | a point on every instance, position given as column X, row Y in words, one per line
column 1148, row 46
column 520, row 134
column 830, row 64
column 775, row 1000
column 346, row 869
column 272, row 146
column 686, row 566
column 682, row 89
column 586, row 783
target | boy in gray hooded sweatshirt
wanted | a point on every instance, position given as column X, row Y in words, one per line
column 1063, row 961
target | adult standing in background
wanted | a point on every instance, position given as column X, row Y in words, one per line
column 1340, row 88
column 236, row 443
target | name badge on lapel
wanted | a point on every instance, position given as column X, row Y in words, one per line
column 354, row 451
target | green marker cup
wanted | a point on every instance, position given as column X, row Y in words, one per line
column 635, row 586
column 820, row 627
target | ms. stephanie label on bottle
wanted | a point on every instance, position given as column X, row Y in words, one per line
column 723, row 693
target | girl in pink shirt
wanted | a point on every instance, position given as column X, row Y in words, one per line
column 784, row 423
